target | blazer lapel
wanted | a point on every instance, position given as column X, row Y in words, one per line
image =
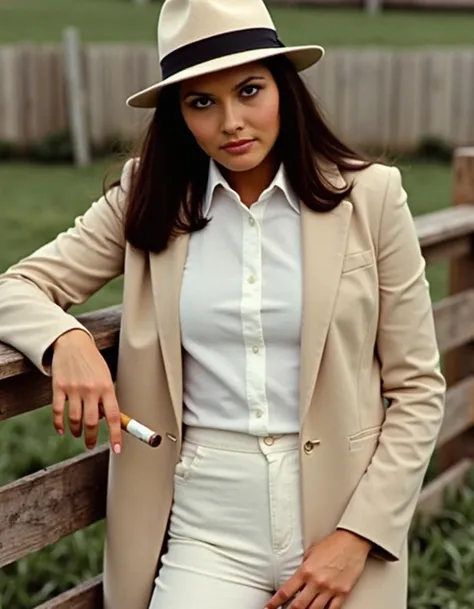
column 166, row 271
column 324, row 241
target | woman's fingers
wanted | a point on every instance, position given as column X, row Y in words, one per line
column 81, row 376
column 59, row 401
column 112, row 414
column 75, row 413
column 91, row 420
column 322, row 601
column 86, row 408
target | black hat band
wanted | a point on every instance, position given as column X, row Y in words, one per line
column 220, row 45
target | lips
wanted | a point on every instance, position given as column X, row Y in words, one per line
column 237, row 144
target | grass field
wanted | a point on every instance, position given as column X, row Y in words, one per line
column 120, row 20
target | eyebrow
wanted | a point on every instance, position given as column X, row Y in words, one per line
column 238, row 86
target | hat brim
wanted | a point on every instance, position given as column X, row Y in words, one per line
column 302, row 57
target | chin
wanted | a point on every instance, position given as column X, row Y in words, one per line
column 246, row 162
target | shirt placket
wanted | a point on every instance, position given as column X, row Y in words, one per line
column 251, row 313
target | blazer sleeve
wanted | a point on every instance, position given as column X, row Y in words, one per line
column 383, row 504
column 36, row 293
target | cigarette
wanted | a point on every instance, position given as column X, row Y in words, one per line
column 136, row 429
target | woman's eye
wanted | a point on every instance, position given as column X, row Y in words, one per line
column 250, row 90
column 201, row 102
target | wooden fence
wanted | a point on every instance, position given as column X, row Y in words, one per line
column 40, row 509
column 381, row 98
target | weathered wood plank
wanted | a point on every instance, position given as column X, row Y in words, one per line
column 74, row 73
column 459, row 415
column 93, row 77
column 454, row 319
column 10, row 92
column 439, row 91
column 85, row 596
column 459, row 363
column 463, row 86
column 346, row 74
column 440, row 226
column 432, row 496
column 448, row 250
column 407, row 99
column 40, row 509
column 446, row 234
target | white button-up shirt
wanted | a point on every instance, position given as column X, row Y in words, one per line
column 240, row 310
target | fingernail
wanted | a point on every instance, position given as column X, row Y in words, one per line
column 117, row 449
column 61, row 432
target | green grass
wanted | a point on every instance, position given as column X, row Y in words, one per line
column 40, row 201
column 120, row 20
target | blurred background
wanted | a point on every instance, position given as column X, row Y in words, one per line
column 397, row 81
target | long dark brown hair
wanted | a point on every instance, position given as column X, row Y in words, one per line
column 169, row 182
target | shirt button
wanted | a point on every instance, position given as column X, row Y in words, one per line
column 252, row 279
column 255, row 349
column 251, row 221
column 258, row 414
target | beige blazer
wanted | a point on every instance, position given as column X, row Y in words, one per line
column 368, row 339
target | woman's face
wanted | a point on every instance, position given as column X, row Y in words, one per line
column 233, row 114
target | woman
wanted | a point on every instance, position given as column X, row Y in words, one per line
column 274, row 304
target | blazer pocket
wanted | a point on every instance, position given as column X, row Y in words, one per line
column 359, row 260
column 366, row 437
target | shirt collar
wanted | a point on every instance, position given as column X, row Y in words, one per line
column 280, row 181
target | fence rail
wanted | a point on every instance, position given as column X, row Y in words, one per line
column 74, row 491
column 378, row 97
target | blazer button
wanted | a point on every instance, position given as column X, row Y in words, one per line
column 309, row 446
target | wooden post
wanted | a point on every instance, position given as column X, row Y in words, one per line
column 373, row 6
column 76, row 97
column 459, row 363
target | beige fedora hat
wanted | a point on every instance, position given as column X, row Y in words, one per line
column 197, row 37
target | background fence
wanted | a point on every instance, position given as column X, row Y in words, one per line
column 379, row 98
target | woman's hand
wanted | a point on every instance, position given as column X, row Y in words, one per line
column 82, row 377
column 328, row 574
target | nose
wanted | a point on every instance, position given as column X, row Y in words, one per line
column 232, row 120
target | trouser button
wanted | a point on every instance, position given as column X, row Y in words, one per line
column 309, row 446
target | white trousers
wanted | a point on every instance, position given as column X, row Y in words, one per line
column 235, row 528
